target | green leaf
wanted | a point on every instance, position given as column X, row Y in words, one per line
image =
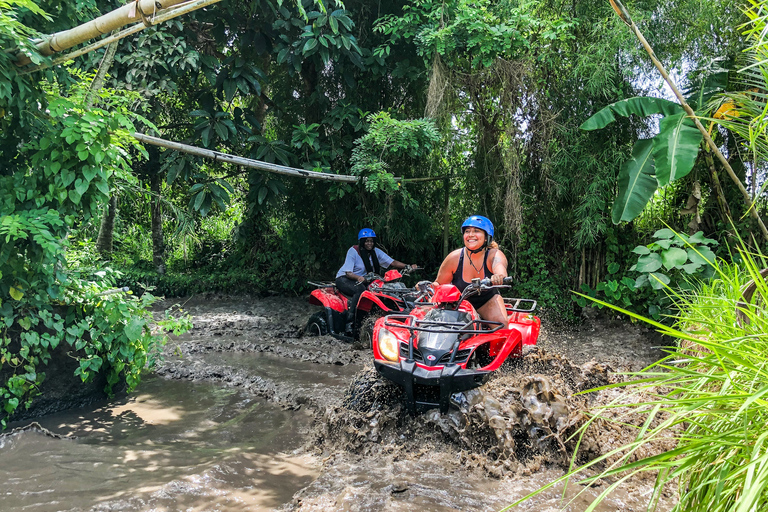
column 641, row 249
column 698, row 238
column 134, row 329
column 676, row 148
column 16, row 293
column 701, row 257
column 691, row 268
column 309, row 45
column 25, row 323
column 673, row 258
column 658, row 281
column 649, row 263
column 199, row 199
column 664, row 233
column 636, row 183
column 642, row 106
column 67, row 177
column 81, row 186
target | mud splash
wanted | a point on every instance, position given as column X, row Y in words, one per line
column 527, row 410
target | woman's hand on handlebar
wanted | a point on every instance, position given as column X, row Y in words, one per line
column 498, row 279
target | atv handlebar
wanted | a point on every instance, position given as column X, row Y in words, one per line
column 408, row 270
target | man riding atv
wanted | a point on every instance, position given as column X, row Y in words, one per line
column 362, row 259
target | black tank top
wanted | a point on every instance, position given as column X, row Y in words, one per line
column 458, row 276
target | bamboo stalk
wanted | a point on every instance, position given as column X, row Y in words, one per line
column 245, row 162
column 626, row 18
column 129, row 13
column 264, row 166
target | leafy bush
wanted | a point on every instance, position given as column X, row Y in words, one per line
column 673, row 260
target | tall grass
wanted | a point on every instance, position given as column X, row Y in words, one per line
column 707, row 400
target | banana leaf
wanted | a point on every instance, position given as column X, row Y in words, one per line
column 637, row 182
column 642, row 106
column 675, row 148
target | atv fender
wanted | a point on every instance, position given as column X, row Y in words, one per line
column 529, row 326
column 322, row 297
column 368, row 300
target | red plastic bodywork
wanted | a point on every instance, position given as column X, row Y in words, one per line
column 446, row 293
column 523, row 329
column 328, row 297
column 392, row 275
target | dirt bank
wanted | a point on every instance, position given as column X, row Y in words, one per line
column 497, row 443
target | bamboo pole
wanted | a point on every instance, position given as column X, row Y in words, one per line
column 217, row 156
column 622, row 12
column 264, row 166
column 165, row 15
column 143, row 11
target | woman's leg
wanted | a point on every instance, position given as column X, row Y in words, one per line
column 495, row 311
column 351, row 288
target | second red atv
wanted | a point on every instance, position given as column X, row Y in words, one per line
column 443, row 347
column 384, row 295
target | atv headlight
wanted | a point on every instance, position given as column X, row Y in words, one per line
column 389, row 345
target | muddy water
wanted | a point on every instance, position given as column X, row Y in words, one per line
column 169, row 444
column 245, row 413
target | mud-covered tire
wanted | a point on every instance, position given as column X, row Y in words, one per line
column 316, row 325
column 365, row 339
column 369, row 391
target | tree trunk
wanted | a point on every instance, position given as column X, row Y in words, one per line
column 107, row 228
column 158, row 248
column 101, row 74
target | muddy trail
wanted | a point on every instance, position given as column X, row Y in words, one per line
column 495, row 445
column 245, row 412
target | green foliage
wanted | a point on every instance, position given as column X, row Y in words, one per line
column 62, row 169
column 700, row 410
column 394, row 145
column 655, row 162
column 637, row 183
column 673, row 259
column 480, row 32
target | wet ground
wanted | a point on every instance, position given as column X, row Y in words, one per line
column 246, row 413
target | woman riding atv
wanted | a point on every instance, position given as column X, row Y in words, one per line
column 480, row 257
column 362, row 259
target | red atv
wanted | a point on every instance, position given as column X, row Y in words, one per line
column 444, row 347
column 384, row 295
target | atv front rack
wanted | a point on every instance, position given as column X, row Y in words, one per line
column 450, row 379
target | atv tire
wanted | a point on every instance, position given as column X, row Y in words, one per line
column 316, row 325
column 365, row 340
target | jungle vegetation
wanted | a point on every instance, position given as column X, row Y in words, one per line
column 442, row 109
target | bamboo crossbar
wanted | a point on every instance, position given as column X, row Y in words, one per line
column 218, row 156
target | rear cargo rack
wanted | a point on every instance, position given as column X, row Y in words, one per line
column 520, row 305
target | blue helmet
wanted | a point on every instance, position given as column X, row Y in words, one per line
column 478, row 221
column 366, row 233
